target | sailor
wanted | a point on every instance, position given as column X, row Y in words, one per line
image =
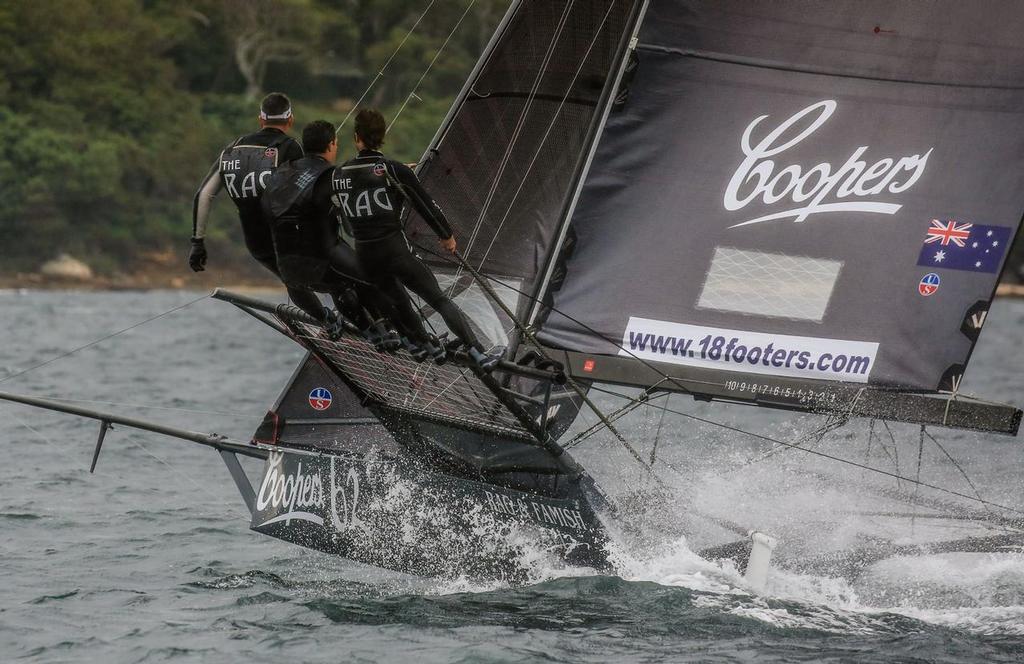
column 370, row 192
column 243, row 168
column 310, row 255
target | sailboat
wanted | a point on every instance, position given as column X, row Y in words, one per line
column 794, row 206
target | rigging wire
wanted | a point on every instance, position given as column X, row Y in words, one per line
column 614, row 416
column 551, row 125
column 481, row 277
column 529, row 336
column 831, row 457
column 190, row 411
column 657, row 432
column 431, row 65
column 380, row 72
column 520, row 123
column 959, row 468
column 917, row 475
column 102, row 339
column 895, row 456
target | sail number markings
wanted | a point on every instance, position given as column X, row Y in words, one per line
column 801, row 395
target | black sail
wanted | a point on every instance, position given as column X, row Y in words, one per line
column 800, row 196
column 505, row 161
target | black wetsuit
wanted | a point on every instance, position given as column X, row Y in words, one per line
column 369, row 191
column 243, row 169
column 310, row 254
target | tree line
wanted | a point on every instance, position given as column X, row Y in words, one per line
column 111, row 112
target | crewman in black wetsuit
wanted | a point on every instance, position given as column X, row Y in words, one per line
column 370, row 191
column 243, row 169
column 310, row 254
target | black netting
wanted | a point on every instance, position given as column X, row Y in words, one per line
column 446, row 393
column 505, row 165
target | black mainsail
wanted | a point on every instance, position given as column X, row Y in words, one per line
column 803, row 205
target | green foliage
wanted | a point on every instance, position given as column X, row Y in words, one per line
column 112, row 112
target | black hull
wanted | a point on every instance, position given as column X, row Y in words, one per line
column 395, row 515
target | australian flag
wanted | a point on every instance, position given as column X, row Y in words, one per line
column 955, row 245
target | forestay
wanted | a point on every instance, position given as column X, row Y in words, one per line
column 800, row 196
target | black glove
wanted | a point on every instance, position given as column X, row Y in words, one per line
column 197, row 255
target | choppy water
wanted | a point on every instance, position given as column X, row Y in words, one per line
column 150, row 559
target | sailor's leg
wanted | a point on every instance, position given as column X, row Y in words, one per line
column 418, row 278
column 308, row 301
column 375, row 261
column 408, row 319
column 347, row 302
column 268, row 261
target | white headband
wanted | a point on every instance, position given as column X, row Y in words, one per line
column 281, row 116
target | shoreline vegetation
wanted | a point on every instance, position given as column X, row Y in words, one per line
column 111, row 114
column 159, row 274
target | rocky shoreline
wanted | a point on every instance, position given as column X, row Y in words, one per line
column 68, row 273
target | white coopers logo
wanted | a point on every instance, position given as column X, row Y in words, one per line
column 822, row 187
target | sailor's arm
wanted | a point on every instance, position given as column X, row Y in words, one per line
column 201, row 204
column 424, row 204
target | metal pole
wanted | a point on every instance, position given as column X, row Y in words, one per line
column 215, row 441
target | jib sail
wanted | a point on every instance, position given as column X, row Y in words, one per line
column 800, row 200
column 504, row 163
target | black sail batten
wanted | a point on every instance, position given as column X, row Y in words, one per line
column 792, row 202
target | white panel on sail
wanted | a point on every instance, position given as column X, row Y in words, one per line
column 776, row 285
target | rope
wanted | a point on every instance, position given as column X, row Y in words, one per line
column 380, row 73
column 431, row 65
column 528, row 334
column 191, row 411
column 101, row 340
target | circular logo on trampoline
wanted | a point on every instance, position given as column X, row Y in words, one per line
column 320, row 399
column 378, row 170
column 929, row 284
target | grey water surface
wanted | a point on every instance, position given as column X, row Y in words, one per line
column 150, row 559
